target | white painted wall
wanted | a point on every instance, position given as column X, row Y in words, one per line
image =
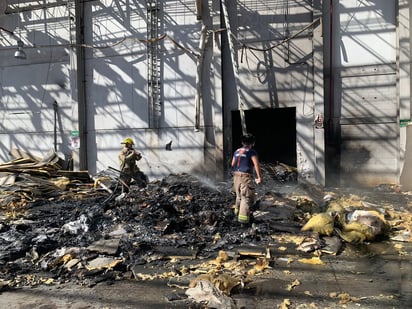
column 276, row 75
column 116, row 78
column 116, row 87
column 366, row 102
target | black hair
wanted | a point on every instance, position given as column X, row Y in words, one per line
column 248, row 139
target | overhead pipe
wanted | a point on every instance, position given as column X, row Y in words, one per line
column 10, row 33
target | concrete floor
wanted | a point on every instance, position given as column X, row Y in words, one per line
column 376, row 275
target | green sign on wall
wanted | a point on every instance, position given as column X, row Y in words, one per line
column 404, row 122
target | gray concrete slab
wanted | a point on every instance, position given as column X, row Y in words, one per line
column 373, row 275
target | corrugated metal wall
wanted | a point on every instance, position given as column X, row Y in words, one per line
column 275, row 41
column 365, row 107
column 352, row 70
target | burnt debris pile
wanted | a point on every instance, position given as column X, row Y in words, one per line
column 280, row 172
column 59, row 226
column 80, row 234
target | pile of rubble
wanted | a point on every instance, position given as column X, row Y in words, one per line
column 59, row 226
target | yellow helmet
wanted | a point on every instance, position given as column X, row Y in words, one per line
column 128, row 140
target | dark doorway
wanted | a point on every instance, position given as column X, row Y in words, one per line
column 275, row 131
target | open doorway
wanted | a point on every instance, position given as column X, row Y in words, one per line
column 275, row 131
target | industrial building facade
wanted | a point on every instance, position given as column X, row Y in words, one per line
column 324, row 85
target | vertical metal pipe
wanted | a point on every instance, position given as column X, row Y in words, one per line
column 233, row 54
column 55, row 109
column 198, row 98
column 81, row 83
column 331, row 70
column 199, row 9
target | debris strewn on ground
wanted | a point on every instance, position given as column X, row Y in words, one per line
column 59, row 226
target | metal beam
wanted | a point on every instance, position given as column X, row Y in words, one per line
column 81, row 83
column 32, row 7
column 233, row 55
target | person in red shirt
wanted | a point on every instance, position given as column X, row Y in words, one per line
column 245, row 163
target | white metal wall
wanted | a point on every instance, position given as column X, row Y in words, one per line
column 29, row 88
column 276, row 67
column 274, row 72
column 115, row 80
column 365, row 87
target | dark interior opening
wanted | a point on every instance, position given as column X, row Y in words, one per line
column 275, row 132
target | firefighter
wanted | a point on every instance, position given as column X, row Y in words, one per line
column 129, row 171
column 244, row 161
